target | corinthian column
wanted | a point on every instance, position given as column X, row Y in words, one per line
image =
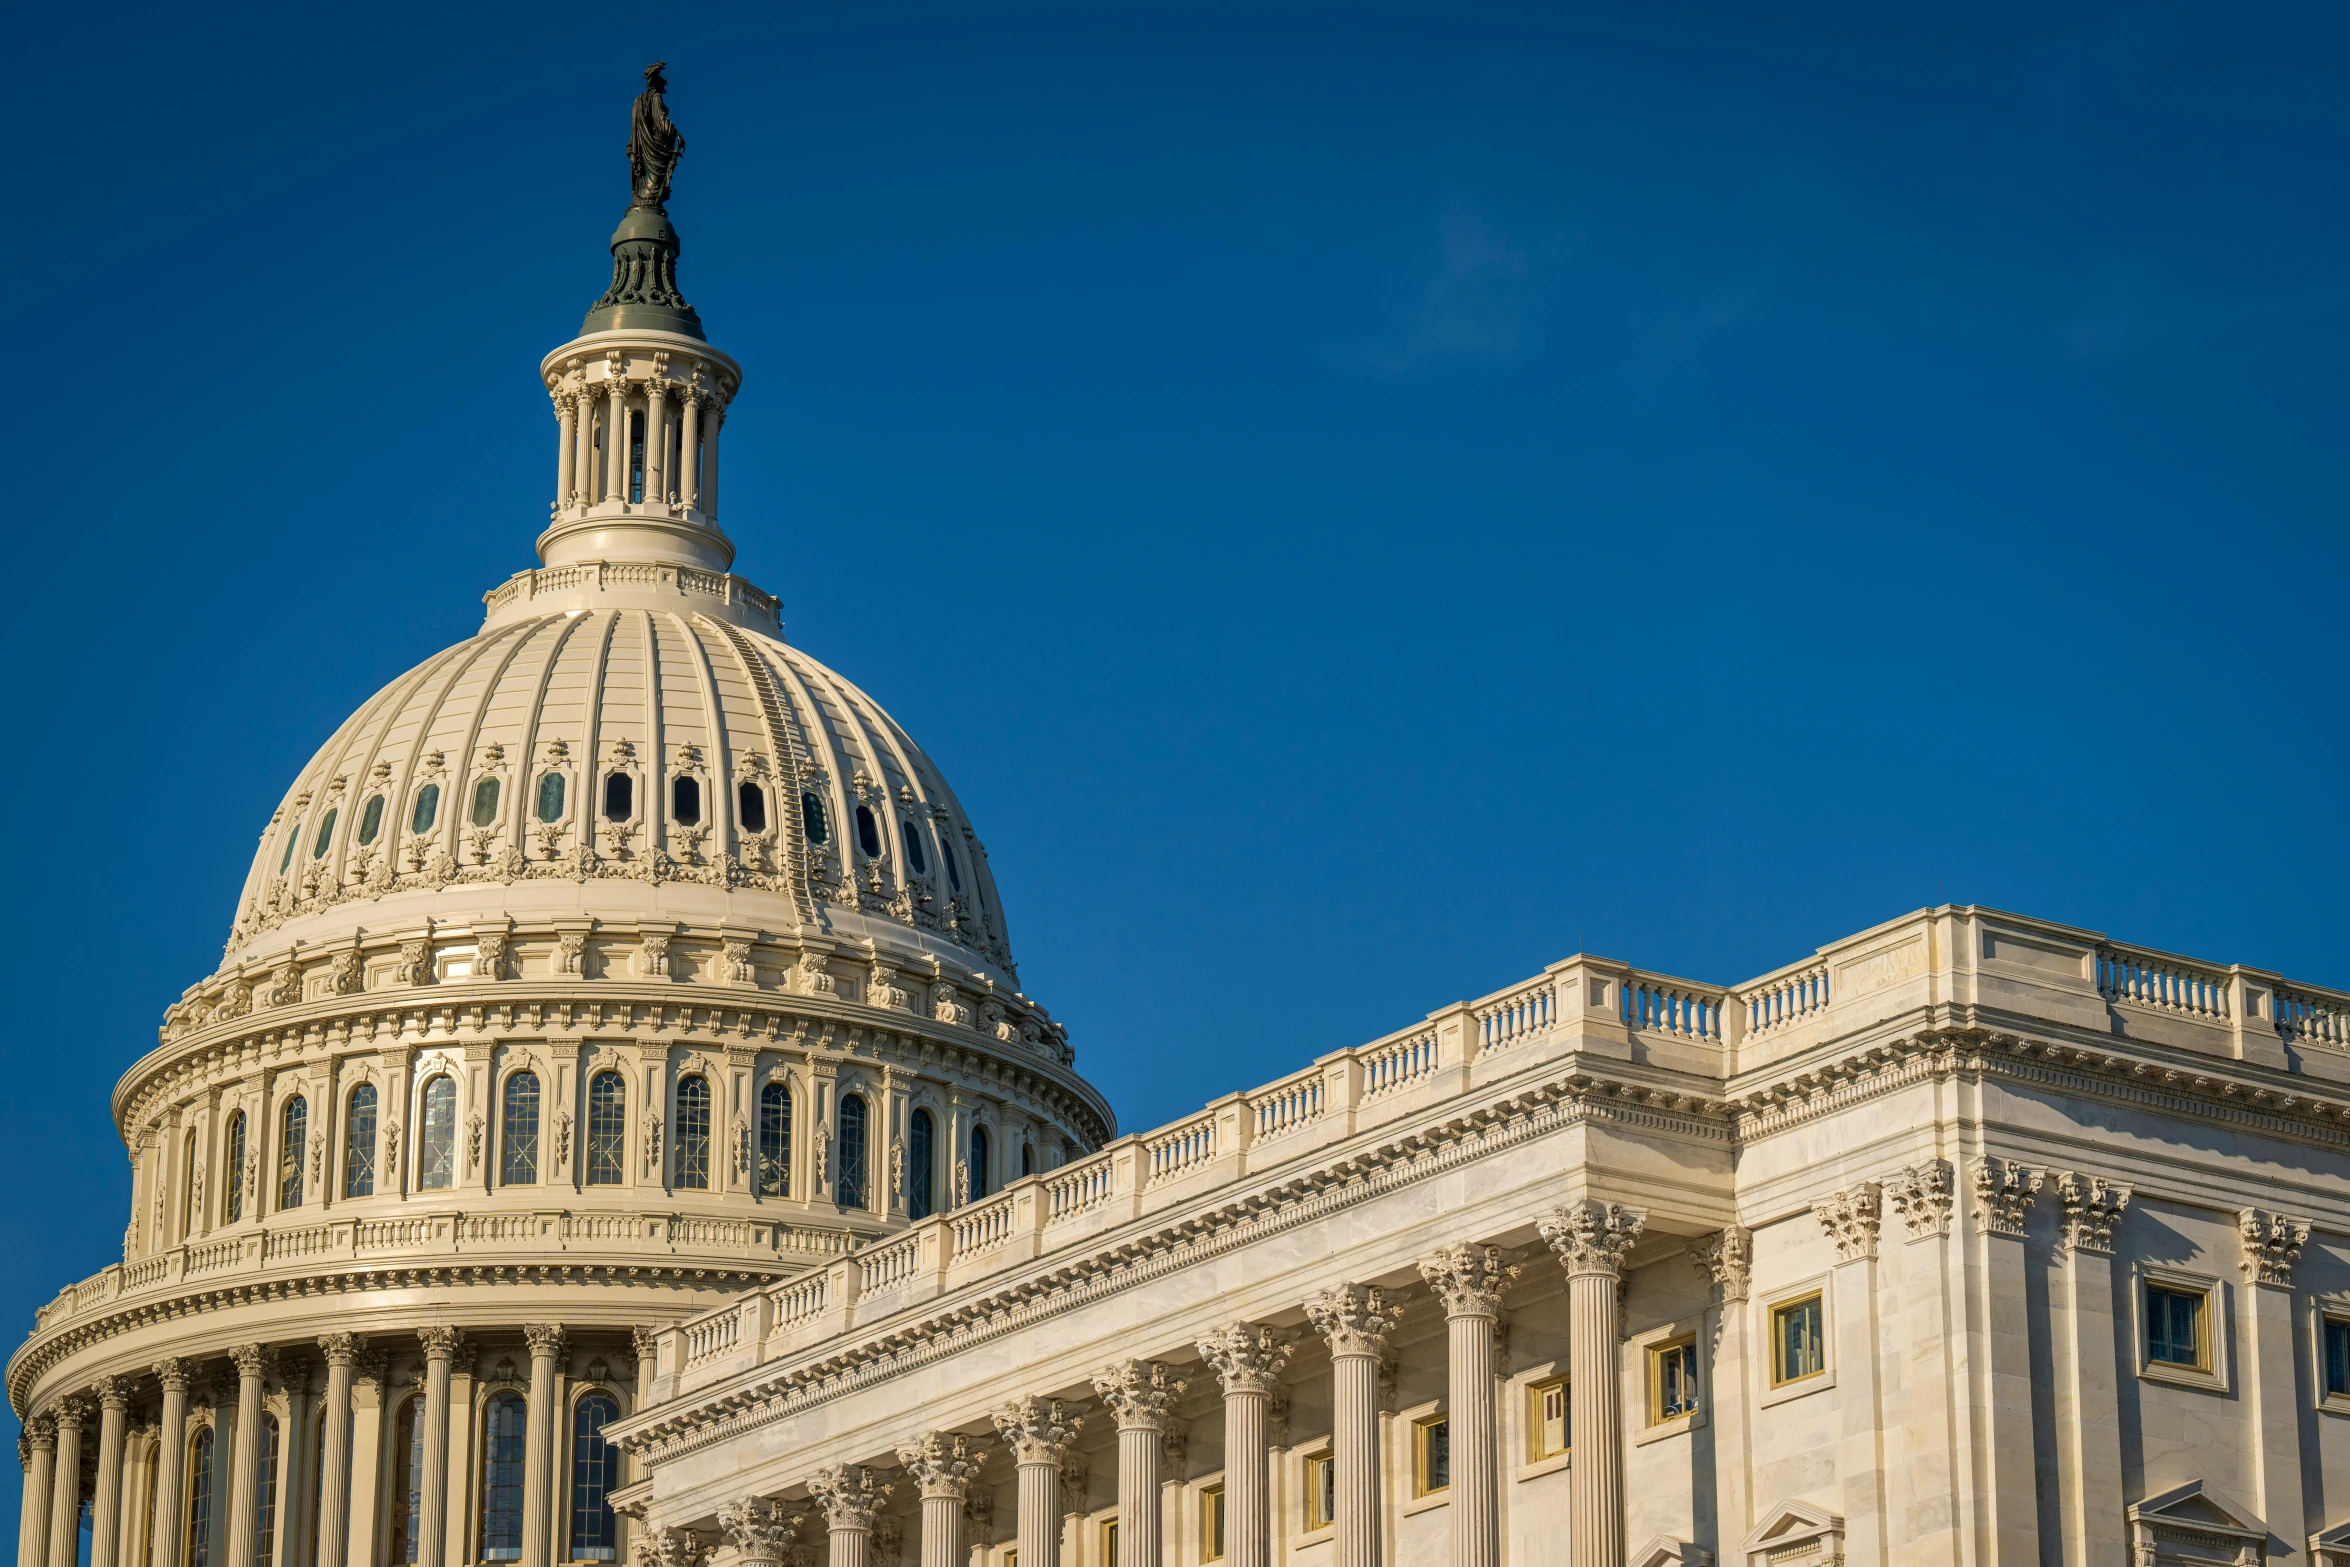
column 334, row 1478
column 567, row 405
column 849, row 1498
column 1248, row 1360
column 1140, row 1393
column 244, row 1502
column 1038, row 1431
column 65, row 1493
column 432, row 1508
column 1469, row 1280
column 40, row 1473
column 1590, row 1239
column 762, row 1530
column 538, row 1434
column 656, row 441
column 171, row 1463
column 943, row 1465
column 114, row 1402
column 1354, row 1321
column 616, row 436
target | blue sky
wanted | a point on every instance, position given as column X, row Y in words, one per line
column 1360, row 502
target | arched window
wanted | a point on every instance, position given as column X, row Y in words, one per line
column 285, row 861
column 978, row 1162
column 913, row 839
column 619, row 797
column 326, row 833
column 232, row 1179
column 852, row 1151
column 188, row 1190
column 371, row 820
column 518, row 1131
column 550, row 797
column 198, row 1552
column 919, row 1158
column 1027, row 1158
column 293, row 1135
column 693, row 1133
column 428, row 809
column 359, row 1143
column 750, row 802
column 595, row 1475
column 775, row 1140
column 685, row 801
column 436, row 1148
column 485, row 802
column 408, row 1482
column 607, row 1129
column 813, row 820
column 868, row 834
column 265, row 1493
column 946, row 852
column 501, row 1479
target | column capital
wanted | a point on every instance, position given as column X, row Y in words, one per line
column 441, row 1343
column 1037, row 1430
column 943, row 1464
column 2272, row 1244
column 645, row 1341
column 2092, row 1206
column 1725, row 1260
column 341, row 1349
column 2004, row 1190
column 1922, row 1194
column 546, row 1340
column 70, row 1410
column 1139, row 1392
column 660, row 1547
column 1469, row 1279
column 41, row 1431
column 1592, row 1237
column 1249, row 1358
column 252, row 1360
column 1354, row 1319
column 1850, row 1218
column 760, row 1527
column 849, row 1495
column 113, row 1392
column 175, row 1374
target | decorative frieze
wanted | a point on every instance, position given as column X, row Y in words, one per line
column 2092, row 1206
column 2272, row 1244
column 2004, row 1191
column 1849, row 1219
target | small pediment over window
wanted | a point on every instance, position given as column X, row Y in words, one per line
column 1795, row 1534
column 1664, row 1551
column 2193, row 1525
column 2331, row 1547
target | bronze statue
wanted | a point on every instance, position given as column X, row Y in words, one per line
column 654, row 142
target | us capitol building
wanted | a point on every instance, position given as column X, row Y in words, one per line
column 616, row 1130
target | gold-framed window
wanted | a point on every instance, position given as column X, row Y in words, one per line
column 1321, row 1490
column 1431, row 1455
column 1211, row 1524
column 1672, row 1380
column 1799, row 1341
column 1548, row 1433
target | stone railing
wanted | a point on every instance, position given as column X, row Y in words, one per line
column 591, row 575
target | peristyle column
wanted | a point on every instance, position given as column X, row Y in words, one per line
column 943, row 1464
column 114, row 1403
column 1248, row 1360
column 171, row 1463
column 538, row 1462
column 432, row 1509
column 244, row 1501
column 334, row 1477
column 567, row 448
column 689, row 448
column 1141, row 1394
column 1355, row 1320
column 1469, row 1280
column 616, row 436
column 1590, row 1239
column 40, row 1471
column 1038, row 1431
column 850, row 1497
column 656, row 441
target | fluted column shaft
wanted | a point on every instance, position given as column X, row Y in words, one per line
column 546, row 1345
column 583, row 471
column 1469, row 1280
column 1591, row 1239
column 32, row 1523
column 616, row 441
column 171, row 1464
column 65, row 1492
column 1039, row 1432
column 1141, row 1394
column 656, row 442
column 334, row 1457
column 106, row 1504
column 432, row 1511
column 942, row 1531
column 1248, row 1360
column 567, row 449
column 710, row 465
column 850, row 1498
column 942, row 1465
column 1355, row 1321
column 689, row 454
column 244, row 1498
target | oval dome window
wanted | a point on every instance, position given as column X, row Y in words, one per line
column 428, row 809
column 685, row 801
column 868, row 834
column 751, row 807
column 485, row 802
column 913, row 840
column 551, row 797
column 371, row 820
column 619, row 797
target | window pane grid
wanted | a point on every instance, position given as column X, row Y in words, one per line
column 359, row 1143
column 1798, row 1348
column 852, row 1151
column 501, row 1481
column 518, row 1133
column 775, row 1140
column 607, row 1130
column 436, row 1153
column 693, row 1133
column 595, row 1474
column 294, row 1134
column 2174, row 1323
column 265, row 1494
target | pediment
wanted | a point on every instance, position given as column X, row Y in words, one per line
column 2331, row 1547
column 1665, row 1551
column 2196, row 1523
column 1794, row 1533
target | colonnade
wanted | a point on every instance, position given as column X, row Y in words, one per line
column 687, row 413
column 1248, row 1360
column 326, row 1471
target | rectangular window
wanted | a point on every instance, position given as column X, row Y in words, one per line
column 1546, row 1419
column 2174, row 1327
column 2337, row 1352
column 1432, row 1455
column 1321, row 1491
column 1672, row 1381
column 1110, row 1543
column 1211, row 1524
column 1799, row 1345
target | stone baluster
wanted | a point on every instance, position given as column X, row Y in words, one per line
column 1355, row 1321
column 341, row 1351
column 850, row 1497
column 943, row 1465
column 1141, row 1394
column 114, row 1403
column 1590, row 1239
column 432, row 1508
column 616, row 435
column 1248, row 1360
column 1469, row 1280
column 40, row 1474
column 567, row 447
column 171, row 1463
column 538, row 1463
column 1038, row 1431
column 244, row 1500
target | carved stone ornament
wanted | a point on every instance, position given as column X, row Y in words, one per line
column 2272, row 1244
column 810, row 977
column 473, row 1138
column 1850, row 1218
column 1726, row 1262
column 1037, row 1430
column 1592, row 1237
column 1469, row 1279
column 252, row 1360
column 570, row 950
column 1923, row 1194
column 849, row 1495
column 943, row 1464
column 174, row 1374
column 1139, row 1393
column 562, row 1139
column 659, row 1547
column 391, row 1144
column 2004, row 1191
column 340, row 1349
column 761, row 1528
column 441, row 1343
column 1354, row 1319
column 2092, row 1206
column 546, row 1340
column 652, row 1146
column 1247, row 1357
